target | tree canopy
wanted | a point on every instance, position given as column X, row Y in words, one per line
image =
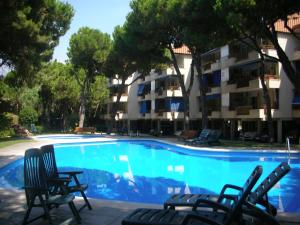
column 88, row 51
column 31, row 29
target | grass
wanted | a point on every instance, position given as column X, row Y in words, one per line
column 7, row 141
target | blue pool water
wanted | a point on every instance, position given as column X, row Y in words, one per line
column 150, row 171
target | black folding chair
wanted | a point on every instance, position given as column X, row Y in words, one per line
column 37, row 190
column 219, row 214
column 52, row 172
column 258, row 196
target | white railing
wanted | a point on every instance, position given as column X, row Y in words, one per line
column 288, row 149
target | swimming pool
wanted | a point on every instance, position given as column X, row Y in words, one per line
column 150, row 171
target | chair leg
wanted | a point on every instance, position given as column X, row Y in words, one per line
column 46, row 210
column 86, row 200
column 27, row 214
column 75, row 212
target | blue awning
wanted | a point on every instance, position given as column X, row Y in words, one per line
column 143, row 108
column 141, row 88
column 217, row 78
column 205, row 79
column 213, row 97
column 296, row 100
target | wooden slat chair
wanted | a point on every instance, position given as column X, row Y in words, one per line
column 258, row 196
column 37, row 190
column 219, row 215
column 52, row 172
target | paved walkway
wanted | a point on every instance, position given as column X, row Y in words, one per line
column 12, row 202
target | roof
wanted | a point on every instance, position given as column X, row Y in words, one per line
column 182, row 50
column 293, row 22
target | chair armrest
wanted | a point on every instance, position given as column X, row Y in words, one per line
column 35, row 189
column 71, row 172
column 226, row 186
column 188, row 217
column 59, row 180
column 209, row 204
column 254, row 211
column 231, row 197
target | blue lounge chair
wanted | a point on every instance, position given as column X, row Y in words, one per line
column 220, row 214
column 203, row 136
column 212, row 139
column 258, row 196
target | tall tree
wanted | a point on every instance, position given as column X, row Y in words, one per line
column 126, row 58
column 30, row 30
column 99, row 94
column 201, row 29
column 58, row 93
column 88, row 52
column 155, row 30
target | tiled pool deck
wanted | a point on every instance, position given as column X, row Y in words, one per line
column 104, row 212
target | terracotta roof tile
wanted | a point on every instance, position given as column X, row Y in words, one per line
column 293, row 22
column 182, row 50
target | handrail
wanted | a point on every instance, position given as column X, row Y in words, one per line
column 288, row 149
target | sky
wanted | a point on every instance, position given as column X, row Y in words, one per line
column 103, row 15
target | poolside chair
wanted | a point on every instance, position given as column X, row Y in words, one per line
column 220, row 214
column 204, row 134
column 52, row 172
column 212, row 139
column 37, row 189
column 258, row 196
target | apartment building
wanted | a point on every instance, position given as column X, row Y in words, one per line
column 234, row 93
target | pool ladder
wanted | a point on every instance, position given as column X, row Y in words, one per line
column 288, row 149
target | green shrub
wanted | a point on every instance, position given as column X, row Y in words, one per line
column 40, row 129
column 28, row 116
column 5, row 126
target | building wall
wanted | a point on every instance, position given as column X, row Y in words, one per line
column 224, row 63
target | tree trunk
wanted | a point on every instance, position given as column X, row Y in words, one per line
column 63, row 122
column 83, row 97
column 96, row 110
column 291, row 73
column 267, row 101
column 185, row 95
column 82, row 110
column 204, row 121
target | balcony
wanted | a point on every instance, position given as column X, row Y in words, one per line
column 296, row 55
column 216, row 65
column 243, row 110
column 296, row 113
column 168, row 115
column 124, row 98
column 272, row 82
column 226, row 113
column 168, row 93
column 121, row 116
column 215, row 114
column 145, row 116
column 227, row 62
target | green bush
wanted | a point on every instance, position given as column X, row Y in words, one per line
column 5, row 126
column 28, row 116
column 39, row 129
